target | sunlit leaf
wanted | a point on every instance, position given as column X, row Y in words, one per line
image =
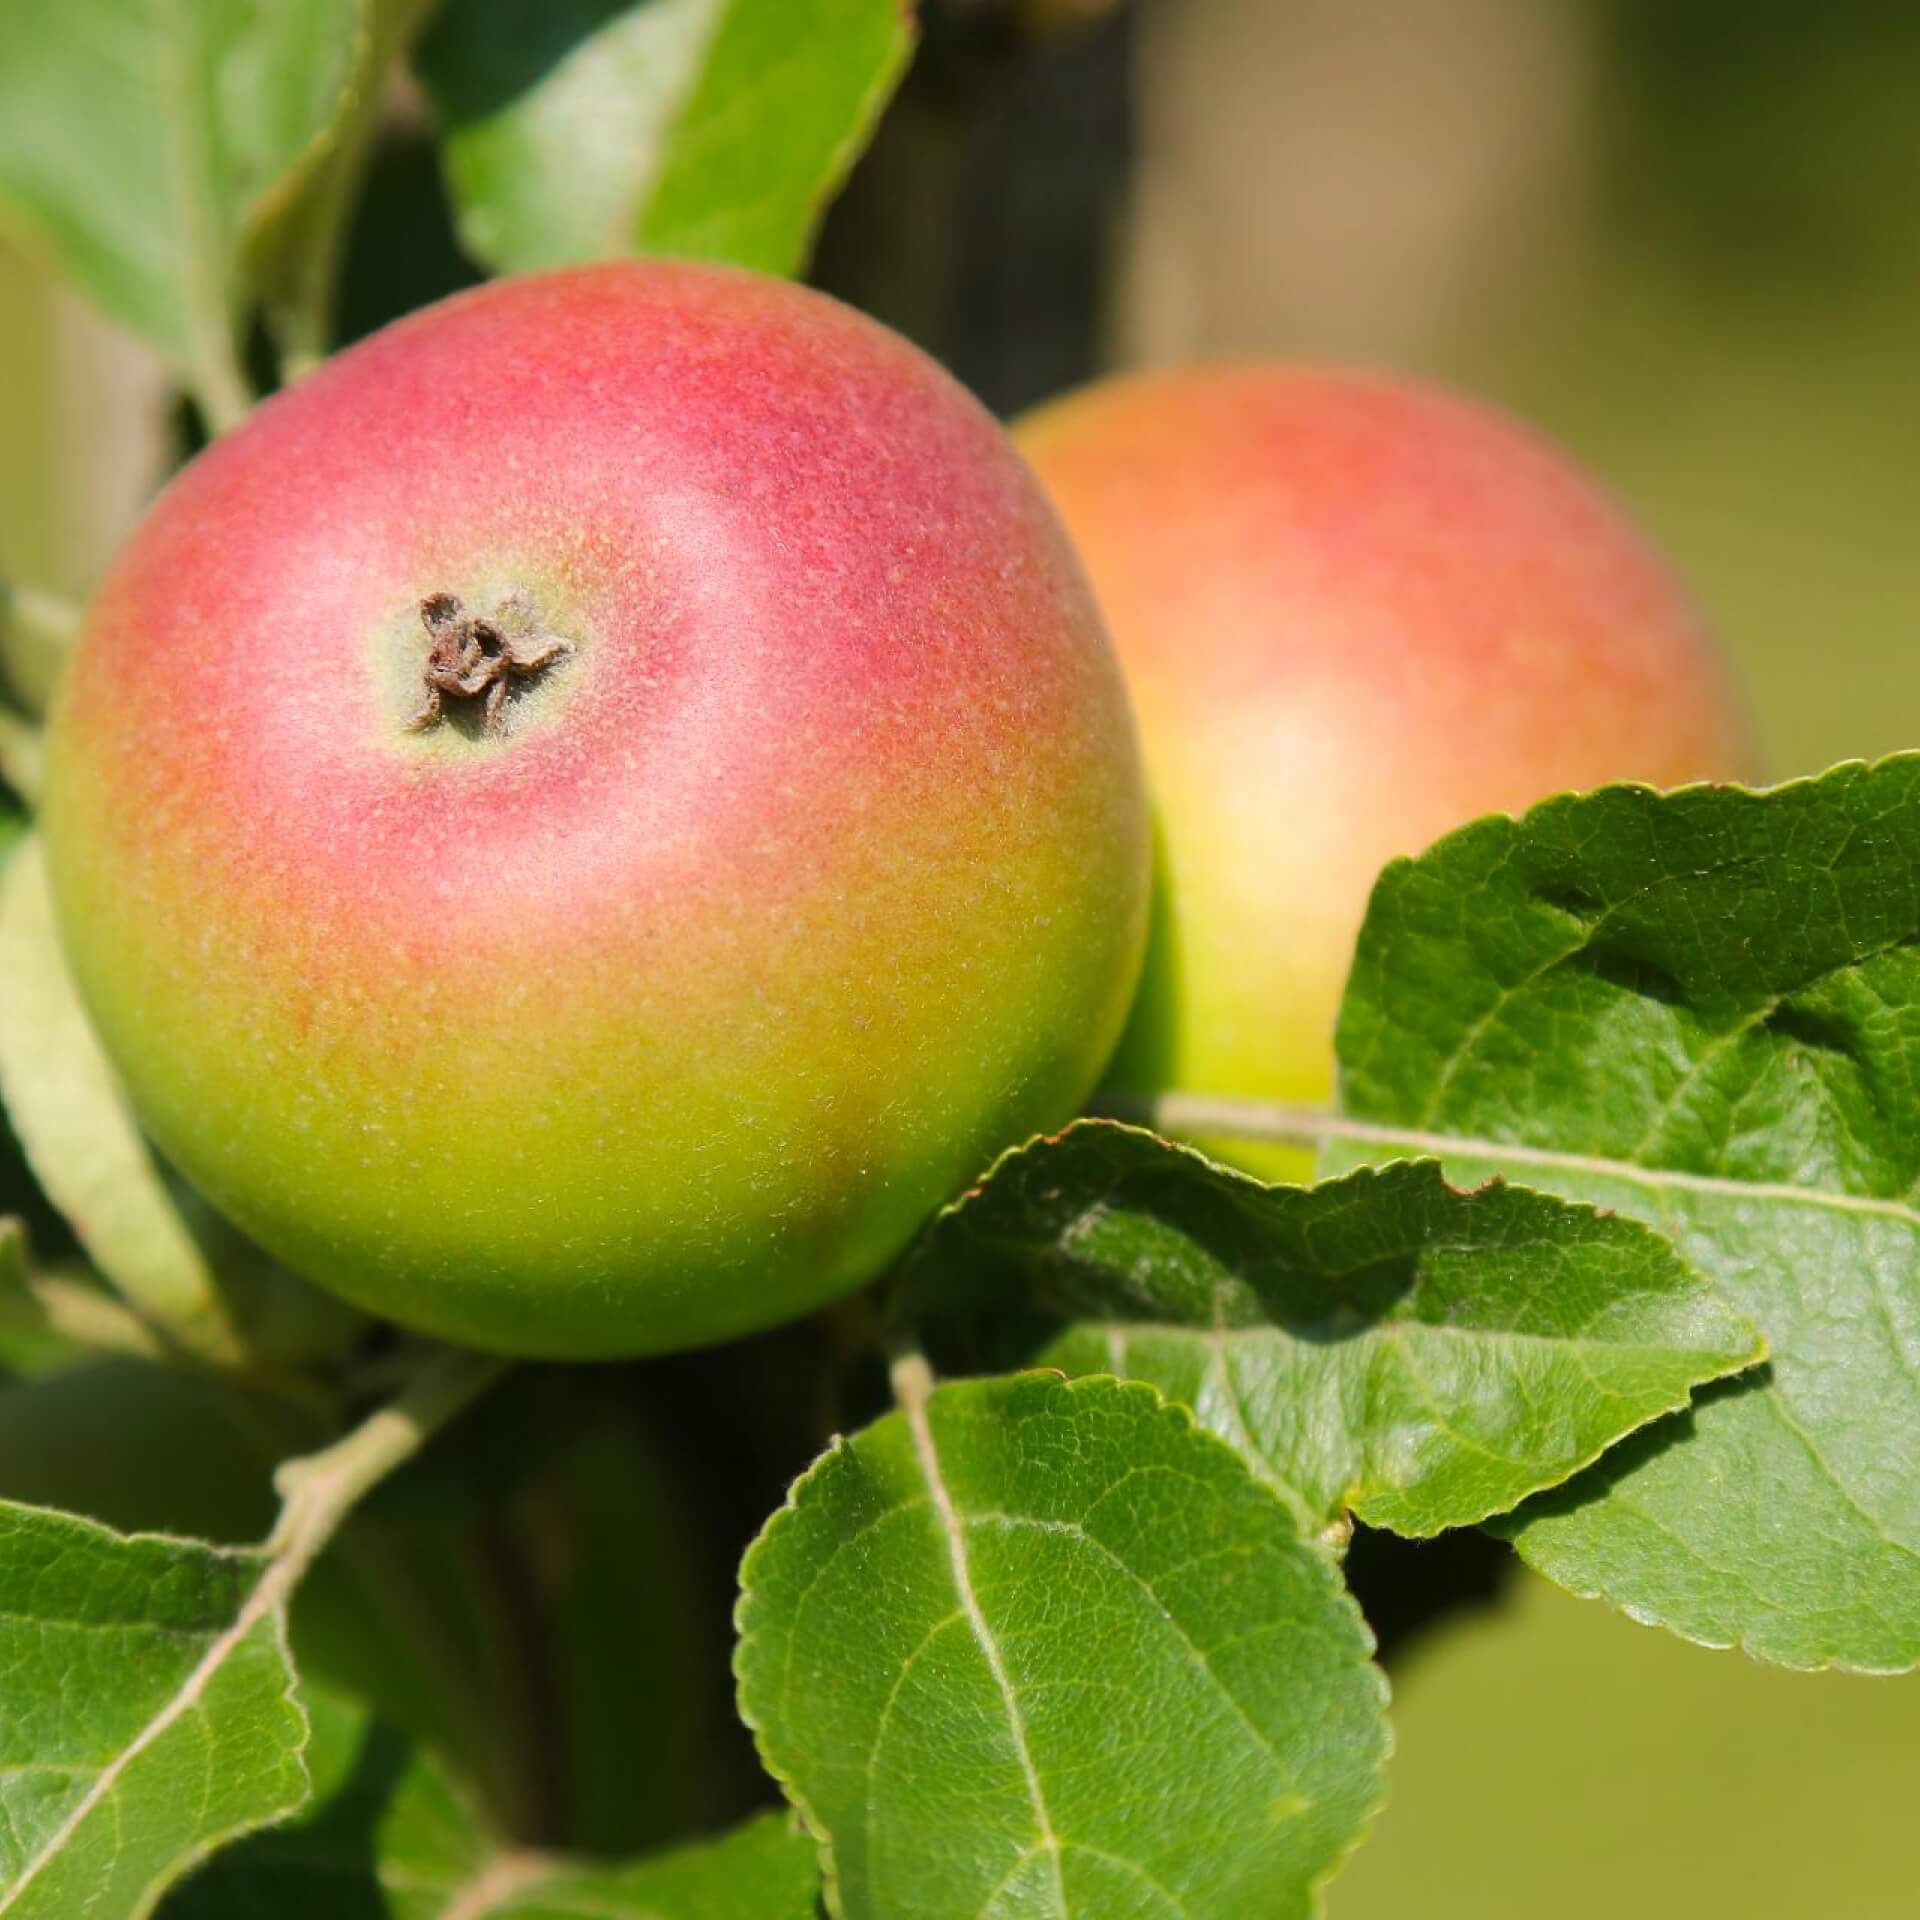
column 1383, row 1343
column 715, row 129
column 1702, row 1009
column 150, row 1713
column 392, row 1835
column 142, row 143
column 1039, row 1648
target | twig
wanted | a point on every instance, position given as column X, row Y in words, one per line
column 219, row 384
column 319, row 1490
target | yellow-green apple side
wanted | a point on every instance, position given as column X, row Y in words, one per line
column 1354, row 612
column 587, row 818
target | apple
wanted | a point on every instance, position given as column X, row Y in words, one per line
column 587, row 818
column 1354, row 612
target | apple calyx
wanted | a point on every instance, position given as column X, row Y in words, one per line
column 470, row 657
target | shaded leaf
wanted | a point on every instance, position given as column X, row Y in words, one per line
column 711, row 129
column 142, row 142
column 149, row 1715
column 1382, row 1342
column 28, row 1342
column 1703, row 1009
column 52, row 1318
column 391, row 1835
column 1039, row 1648
column 766, row 1870
column 295, row 248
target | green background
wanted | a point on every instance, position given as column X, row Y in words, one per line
column 1556, row 1759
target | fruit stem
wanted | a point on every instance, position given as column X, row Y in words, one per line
column 319, row 1490
column 1277, row 1121
column 1245, row 1120
column 911, row 1377
column 1185, row 1115
column 220, row 386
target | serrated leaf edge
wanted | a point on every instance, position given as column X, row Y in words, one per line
column 266, row 1598
column 1359, row 1491
column 784, row 1516
column 1352, row 1498
column 1752, row 1645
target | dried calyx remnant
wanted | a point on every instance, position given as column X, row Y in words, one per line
column 474, row 658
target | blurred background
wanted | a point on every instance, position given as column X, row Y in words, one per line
column 1685, row 240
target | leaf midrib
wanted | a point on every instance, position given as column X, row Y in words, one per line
column 260, row 1605
column 918, row 1385
column 1255, row 1120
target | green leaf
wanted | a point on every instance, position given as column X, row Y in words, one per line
column 1038, row 1648
column 1382, row 1342
column 29, row 1342
column 392, row 1835
column 142, row 143
column 387, row 1833
column 766, row 1870
column 711, row 129
column 150, row 1713
column 295, row 247
column 49, row 1319
column 1703, row 1009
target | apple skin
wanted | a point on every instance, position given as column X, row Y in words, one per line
column 1354, row 612
column 817, row 873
